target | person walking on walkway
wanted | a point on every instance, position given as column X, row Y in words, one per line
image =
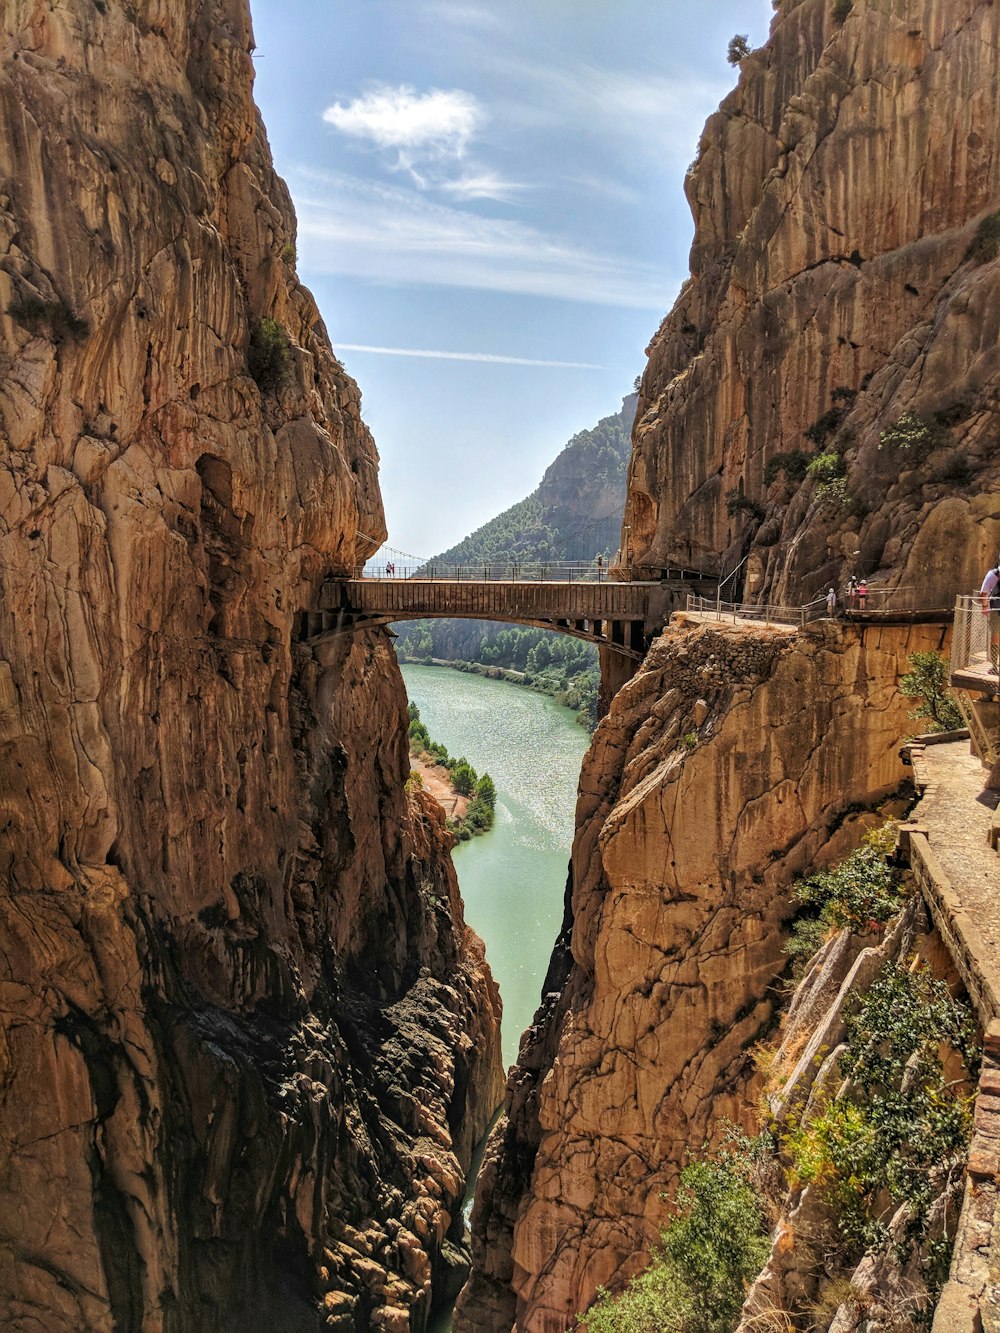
column 989, row 596
column 600, row 567
column 831, row 603
column 862, row 594
column 852, row 593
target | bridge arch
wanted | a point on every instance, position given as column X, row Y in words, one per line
column 621, row 617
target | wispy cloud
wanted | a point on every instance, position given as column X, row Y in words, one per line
column 489, row 357
column 483, row 185
column 391, row 234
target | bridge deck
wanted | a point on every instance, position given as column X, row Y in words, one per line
column 404, row 599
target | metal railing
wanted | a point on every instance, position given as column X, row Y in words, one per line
column 970, row 642
column 517, row 571
column 879, row 598
column 768, row 613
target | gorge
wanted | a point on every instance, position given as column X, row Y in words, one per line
column 249, row 1040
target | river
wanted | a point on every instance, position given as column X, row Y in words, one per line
column 513, row 877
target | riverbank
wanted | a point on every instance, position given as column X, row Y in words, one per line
column 574, row 697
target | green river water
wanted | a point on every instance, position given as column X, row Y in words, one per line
column 513, row 877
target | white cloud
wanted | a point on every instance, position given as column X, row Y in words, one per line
column 490, row 357
column 483, row 185
column 397, row 235
column 422, row 128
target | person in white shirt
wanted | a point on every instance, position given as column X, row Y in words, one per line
column 989, row 595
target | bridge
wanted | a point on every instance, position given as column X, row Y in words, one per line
column 620, row 616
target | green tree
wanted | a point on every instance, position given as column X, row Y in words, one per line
column 738, row 49
column 463, row 778
column 486, row 791
column 926, row 680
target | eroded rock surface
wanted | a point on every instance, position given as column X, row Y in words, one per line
column 248, row 1039
column 836, row 195
column 734, row 761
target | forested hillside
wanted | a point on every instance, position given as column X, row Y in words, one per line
column 573, row 513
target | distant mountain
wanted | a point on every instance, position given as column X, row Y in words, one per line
column 575, row 511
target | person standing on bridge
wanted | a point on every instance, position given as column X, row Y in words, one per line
column 862, row 594
column 600, row 567
column 831, row 603
column 989, row 596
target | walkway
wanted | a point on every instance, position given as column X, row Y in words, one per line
column 620, row 616
column 949, row 836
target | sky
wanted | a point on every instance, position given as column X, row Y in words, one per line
column 491, row 216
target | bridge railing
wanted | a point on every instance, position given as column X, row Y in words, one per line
column 970, row 642
column 767, row 613
column 517, row 571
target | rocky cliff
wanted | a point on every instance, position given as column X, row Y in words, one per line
column 820, row 401
column 732, row 762
column 248, row 1039
column 843, row 281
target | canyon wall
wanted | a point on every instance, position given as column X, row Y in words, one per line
column 248, row 1040
column 820, row 401
column 734, row 761
column 836, row 286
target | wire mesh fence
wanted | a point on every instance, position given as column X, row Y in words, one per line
column 975, row 625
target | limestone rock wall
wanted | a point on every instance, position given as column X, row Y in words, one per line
column 248, row 1040
column 835, row 194
column 731, row 763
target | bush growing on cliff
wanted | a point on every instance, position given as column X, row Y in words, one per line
column 738, row 48
column 697, row 1278
column 926, row 680
column 792, row 466
column 913, row 435
column 861, row 893
column 899, row 1131
column 268, row 355
column 986, row 242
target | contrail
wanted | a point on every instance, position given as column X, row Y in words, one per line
column 467, row 356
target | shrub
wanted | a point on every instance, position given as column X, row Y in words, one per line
column 912, row 434
column 52, row 317
column 823, row 427
column 955, row 470
column 690, row 739
column 738, row 503
column 926, row 681
column 268, row 355
column 697, row 1278
column 986, row 242
column 792, row 466
column 825, row 468
column 900, row 1128
column 738, row 48
column 288, row 254
column 861, row 893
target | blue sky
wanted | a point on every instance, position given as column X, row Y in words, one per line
column 494, row 182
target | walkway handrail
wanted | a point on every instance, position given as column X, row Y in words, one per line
column 970, row 642
column 515, row 571
column 768, row 612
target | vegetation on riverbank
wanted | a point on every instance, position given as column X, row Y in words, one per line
column 481, row 794
column 564, row 668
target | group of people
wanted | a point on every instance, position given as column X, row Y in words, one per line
column 856, row 596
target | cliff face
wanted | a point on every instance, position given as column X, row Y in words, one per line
column 821, row 400
column 729, row 765
column 836, row 195
column 248, row 1038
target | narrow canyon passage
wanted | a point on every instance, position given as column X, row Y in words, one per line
column 513, row 878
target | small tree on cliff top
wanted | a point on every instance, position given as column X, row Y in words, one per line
column 738, row 48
